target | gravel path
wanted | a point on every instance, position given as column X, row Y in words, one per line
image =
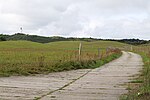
column 104, row 83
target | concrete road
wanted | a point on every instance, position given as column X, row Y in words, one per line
column 104, row 83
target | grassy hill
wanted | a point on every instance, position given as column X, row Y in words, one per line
column 42, row 39
column 25, row 57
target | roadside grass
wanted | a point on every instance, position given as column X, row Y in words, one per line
column 140, row 87
column 88, row 64
column 29, row 58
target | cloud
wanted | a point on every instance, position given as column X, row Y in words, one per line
column 79, row 18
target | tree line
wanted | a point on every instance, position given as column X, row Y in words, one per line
column 42, row 39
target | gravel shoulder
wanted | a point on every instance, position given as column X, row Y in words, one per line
column 103, row 83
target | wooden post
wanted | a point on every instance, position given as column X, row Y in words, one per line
column 80, row 48
column 99, row 55
column 131, row 48
column 107, row 51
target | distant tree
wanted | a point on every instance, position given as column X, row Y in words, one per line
column 2, row 38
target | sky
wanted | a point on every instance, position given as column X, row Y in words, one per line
column 113, row 19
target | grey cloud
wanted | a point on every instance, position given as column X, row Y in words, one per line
column 79, row 18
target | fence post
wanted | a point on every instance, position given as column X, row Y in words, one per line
column 107, row 51
column 131, row 48
column 99, row 55
column 80, row 48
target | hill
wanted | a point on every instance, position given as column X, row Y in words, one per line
column 42, row 39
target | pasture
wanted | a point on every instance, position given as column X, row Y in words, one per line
column 25, row 57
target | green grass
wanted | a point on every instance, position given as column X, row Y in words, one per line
column 25, row 58
column 137, row 81
column 140, row 88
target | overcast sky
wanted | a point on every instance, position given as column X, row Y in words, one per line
column 77, row 18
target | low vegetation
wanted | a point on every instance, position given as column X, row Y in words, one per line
column 25, row 58
column 140, row 87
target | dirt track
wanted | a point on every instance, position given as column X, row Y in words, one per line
column 104, row 83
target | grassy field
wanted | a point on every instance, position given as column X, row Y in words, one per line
column 139, row 89
column 25, row 58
